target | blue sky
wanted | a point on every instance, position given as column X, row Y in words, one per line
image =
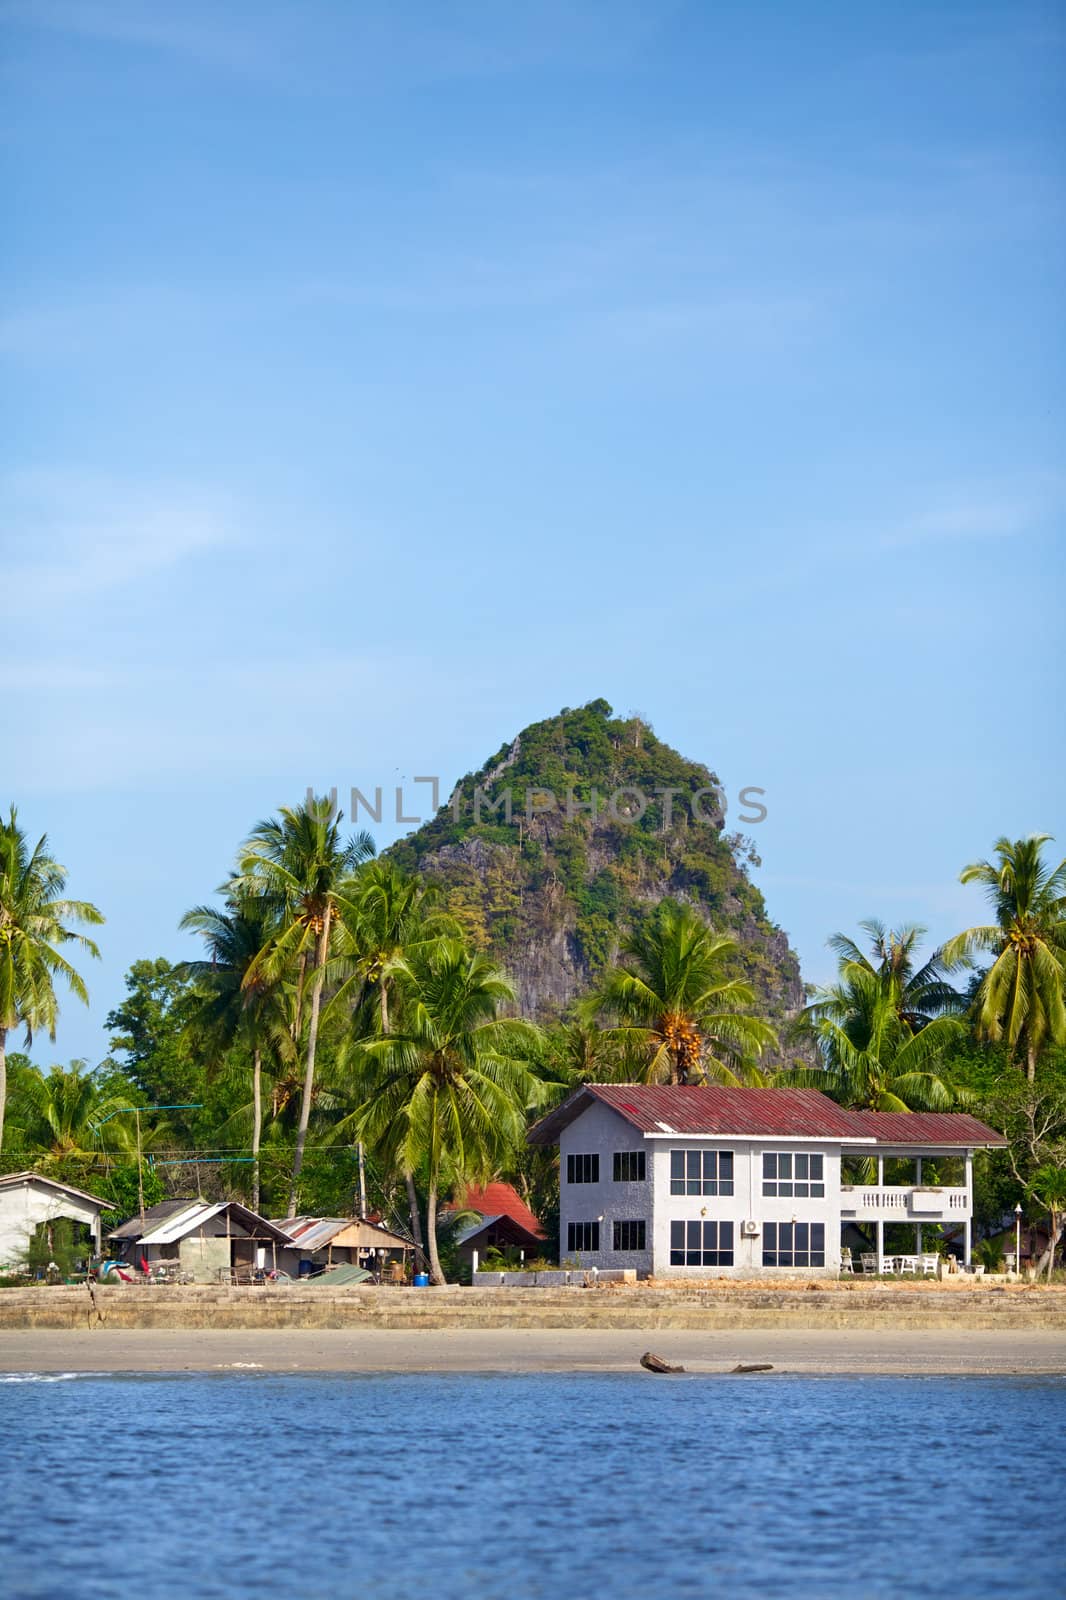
column 377, row 380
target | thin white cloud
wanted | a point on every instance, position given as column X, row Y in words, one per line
column 993, row 511
column 67, row 534
column 365, row 47
column 208, row 40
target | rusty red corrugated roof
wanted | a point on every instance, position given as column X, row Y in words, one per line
column 928, row 1127
column 759, row 1113
column 718, row 1109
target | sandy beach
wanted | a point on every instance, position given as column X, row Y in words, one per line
column 832, row 1350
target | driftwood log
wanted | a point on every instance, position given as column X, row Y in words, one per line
column 657, row 1364
column 755, row 1366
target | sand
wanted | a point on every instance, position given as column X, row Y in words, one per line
column 832, row 1350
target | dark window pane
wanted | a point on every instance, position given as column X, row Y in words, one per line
column 818, row 1191
column 693, row 1238
column 677, row 1258
column 677, row 1164
column 677, row 1235
column 769, row 1166
column 725, row 1164
column 801, row 1166
column 784, row 1189
column 816, row 1167
column 726, row 1186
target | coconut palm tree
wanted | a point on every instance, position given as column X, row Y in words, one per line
column 1020, row 998
column 448, row 1090
column 917, row 992
column 885, row 1066
column 60, row 1112
column 390, row 918
column 33, row 918
column 303, row 868
column 239, row 1003
column 676, row 1005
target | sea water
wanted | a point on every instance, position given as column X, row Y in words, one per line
column 466, row 1487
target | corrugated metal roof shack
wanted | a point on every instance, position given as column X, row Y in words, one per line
column 209, row 1243
column 318, row 1243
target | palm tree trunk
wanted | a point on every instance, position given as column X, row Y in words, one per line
column 416, row 1219
column 257, row 1122
column 1048, row 1258
column 3, row 1080
column 297, row 1016
column 435, row 1273
column 1030, row 1062
column 408, row 1176
column 312, row 1044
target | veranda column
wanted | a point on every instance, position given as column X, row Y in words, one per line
column 967, row 1235
column 880, row 1247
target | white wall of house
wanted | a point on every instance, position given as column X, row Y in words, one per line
column 25, row 1206
column 747, row 1203
column 600, row 1132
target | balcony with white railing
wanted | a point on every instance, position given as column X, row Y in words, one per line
column 903, row 1203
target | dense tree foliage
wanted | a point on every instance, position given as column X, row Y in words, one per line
column 346, row 1042
column 33, row 928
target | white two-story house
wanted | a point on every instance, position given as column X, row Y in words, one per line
column 697, row 1182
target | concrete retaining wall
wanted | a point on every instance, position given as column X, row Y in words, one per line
column 555, row 1279
column 620, row 1306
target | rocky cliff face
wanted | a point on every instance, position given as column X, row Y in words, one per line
column 574, row 831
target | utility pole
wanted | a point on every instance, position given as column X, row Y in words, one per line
column 140, row 1168
column 362, row 1178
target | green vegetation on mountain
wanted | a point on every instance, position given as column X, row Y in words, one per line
column 549, row 891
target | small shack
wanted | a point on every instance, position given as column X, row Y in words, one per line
column 29, row 1200
column 503, row 1220
column 318, row 1243
column 205, row 1242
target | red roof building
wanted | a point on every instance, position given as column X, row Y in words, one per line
column 504, row 1221
column 711, row 1180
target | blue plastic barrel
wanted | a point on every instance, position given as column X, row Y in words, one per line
column 421, row 1280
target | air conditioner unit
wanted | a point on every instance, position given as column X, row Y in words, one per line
column 749, row 1229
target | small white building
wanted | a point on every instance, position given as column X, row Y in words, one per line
column 695, row 1182
column 28, row 1199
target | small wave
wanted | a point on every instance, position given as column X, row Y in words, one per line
column 45, row 1377
column 232, row 1366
